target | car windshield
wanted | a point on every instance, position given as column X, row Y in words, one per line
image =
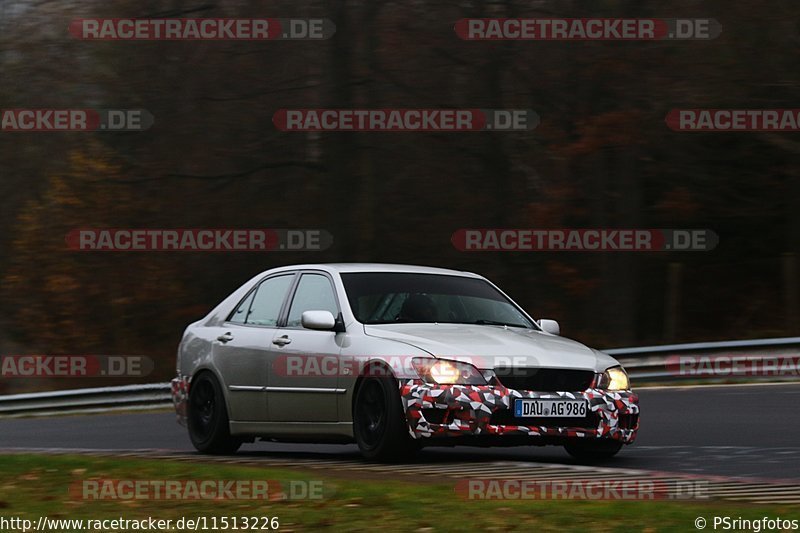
column 394, row 297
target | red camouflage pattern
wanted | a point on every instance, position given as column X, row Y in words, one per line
column 180, row 398
column 472, row 407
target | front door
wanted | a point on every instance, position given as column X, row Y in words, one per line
column 303, row 370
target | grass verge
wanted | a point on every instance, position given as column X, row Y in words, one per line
column 34, row 485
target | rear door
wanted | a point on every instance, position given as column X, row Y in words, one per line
column 241, row 348
column 304, row 369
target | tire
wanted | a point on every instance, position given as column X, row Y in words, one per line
column 592, row 451
column 379, row 424
column 209, row 429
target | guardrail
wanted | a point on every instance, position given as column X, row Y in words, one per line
column 644, row 364
column 153, row 395
column 648, row 364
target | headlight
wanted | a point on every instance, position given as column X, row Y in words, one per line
column 447, row 372
column 614, row 379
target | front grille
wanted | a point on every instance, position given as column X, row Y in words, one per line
column 505, row 417
column 545, row 379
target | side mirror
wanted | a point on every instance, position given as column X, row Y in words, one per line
column 317, row 320
column 550, row 326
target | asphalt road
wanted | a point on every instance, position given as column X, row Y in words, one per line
column 748, row 431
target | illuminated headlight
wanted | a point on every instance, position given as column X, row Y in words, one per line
column 614, row 379
column 447, row 372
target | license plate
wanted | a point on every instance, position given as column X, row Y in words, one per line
column 550, row 408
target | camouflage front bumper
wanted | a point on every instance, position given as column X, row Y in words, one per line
column 475, row 410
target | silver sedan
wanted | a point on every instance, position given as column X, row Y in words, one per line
column 393, row 357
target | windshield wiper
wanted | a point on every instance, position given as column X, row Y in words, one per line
column 484, row 322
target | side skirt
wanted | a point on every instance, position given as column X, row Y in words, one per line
column 295, row 431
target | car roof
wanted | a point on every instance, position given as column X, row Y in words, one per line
column 344, row 268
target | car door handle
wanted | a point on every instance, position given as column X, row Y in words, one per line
column 282, row 341
column 225, row 337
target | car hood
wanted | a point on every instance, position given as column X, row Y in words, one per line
column 493, row 346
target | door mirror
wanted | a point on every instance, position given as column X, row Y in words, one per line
column 317, row 320
column 550, row 326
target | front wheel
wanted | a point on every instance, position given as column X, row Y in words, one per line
column 379, row 424
column 593, row 450
column 207, row 417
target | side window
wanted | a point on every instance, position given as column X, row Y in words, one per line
column 314, row 293
column 239, row 315
column 267, row 302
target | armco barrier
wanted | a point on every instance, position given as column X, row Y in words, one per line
column 644, row 364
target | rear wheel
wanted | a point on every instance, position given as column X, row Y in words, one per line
column 593, row 450
column 379, row 424
column 209, row 430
